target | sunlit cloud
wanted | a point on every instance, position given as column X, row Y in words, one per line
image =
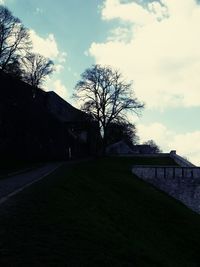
column 57, row 86
column 186, row 144
column 157, row 47
column 158, row 132
column 44, row 46
column 60, row 89
column 48, row 47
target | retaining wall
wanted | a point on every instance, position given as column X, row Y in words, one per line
column 180, row 160
column 140, row 155
column 182, row 183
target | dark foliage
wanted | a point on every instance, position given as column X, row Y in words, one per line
column 122, row 131
column 153, row 146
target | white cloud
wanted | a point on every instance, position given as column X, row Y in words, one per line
column 48, row 47
column 156, row 131
column 120, row 34
column 2, row 2
column 60, row 89
column 161, row 53
column 186, row 144
column 57, row 86
column 44, row 46
column 112, row 9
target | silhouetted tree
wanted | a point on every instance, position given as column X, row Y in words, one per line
column 105, row 95
column 155, row 148
column 122, row 131
column 14, row 68
column 36, row 69
column 14, row 38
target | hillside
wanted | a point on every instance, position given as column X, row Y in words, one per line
column 98, row 214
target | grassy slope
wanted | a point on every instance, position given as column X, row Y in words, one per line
column 98, row 214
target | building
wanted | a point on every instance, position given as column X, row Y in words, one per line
column 44, row 127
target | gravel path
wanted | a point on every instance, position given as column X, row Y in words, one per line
column 15, row 184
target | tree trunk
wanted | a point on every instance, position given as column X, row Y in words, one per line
column 104, row 142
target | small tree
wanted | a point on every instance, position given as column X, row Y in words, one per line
column 14, row 68
column 122, row 131
column 106, row 96
column 14, row 38
column 36, row 69
column 154, row 147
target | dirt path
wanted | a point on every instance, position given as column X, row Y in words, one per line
column 15, row 184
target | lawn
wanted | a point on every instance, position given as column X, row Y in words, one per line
column 98, row 214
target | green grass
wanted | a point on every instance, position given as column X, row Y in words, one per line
column 98, row 214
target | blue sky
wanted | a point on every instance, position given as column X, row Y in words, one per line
column 73, row 24
column 154, row 43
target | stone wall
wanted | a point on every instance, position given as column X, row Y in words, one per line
column 137, row 155
column 180, row 160
column 182, row 183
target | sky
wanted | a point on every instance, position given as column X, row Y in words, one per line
column 155, row 44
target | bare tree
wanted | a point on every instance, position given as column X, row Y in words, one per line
column 14, row 68
column 36, row 69
column 14, row 38
column 106, row 96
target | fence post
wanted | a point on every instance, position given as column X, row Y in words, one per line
column 182, row 172
column 165, row 172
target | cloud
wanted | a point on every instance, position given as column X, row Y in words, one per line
column 157, row 46
column 47, row 47
column 112, row 9
column 57, row 86
column 156, row 131
column 186, row 144
column 2, row 2
column 60, row 89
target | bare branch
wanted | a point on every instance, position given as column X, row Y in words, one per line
column 106, row 95
column 36, row 69
column 14, row 38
